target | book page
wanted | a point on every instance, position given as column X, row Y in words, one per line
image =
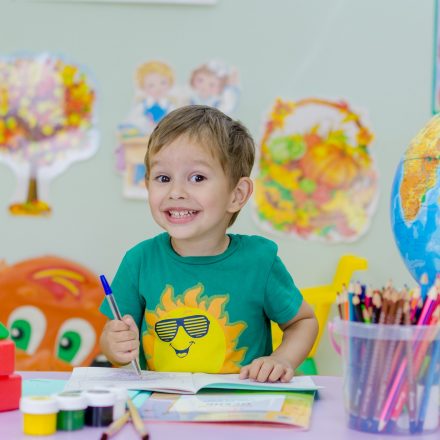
column 225, row 402
column 227, row 406
column 232, row 382
column 91, row 377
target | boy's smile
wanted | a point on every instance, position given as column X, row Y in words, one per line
column 181, row 215
column 191, row 197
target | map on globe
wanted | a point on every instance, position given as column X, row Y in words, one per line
column 415, row 200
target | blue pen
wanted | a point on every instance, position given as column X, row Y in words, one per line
column 429, row 381
column 117, row 314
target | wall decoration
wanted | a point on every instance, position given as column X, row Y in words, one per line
column 216, row 85
column 47, row 122
column 154, row 81
column 316, row 178
column 156, row 94
column 130, row 2
column 51, row 308
column 436, row 79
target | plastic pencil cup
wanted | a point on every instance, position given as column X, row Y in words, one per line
column 391, row 376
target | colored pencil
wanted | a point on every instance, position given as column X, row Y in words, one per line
column 429, row 381
column 116, row 426
column 137, row 421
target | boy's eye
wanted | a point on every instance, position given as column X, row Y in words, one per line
column 162, row 179
column 197, row 178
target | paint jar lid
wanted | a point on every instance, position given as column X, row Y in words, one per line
column 38, row 405
column 100, row 397
column 71, row 400
column 121, row 393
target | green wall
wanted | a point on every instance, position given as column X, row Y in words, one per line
column 376, row 54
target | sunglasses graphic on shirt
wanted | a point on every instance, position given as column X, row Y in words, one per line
column 196, row 326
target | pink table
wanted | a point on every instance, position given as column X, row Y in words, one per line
column 328, row 422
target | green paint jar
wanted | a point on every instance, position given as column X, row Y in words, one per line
column 72, row 406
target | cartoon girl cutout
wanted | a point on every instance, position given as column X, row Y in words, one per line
column 215, row 85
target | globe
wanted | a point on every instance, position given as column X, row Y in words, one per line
column 415, row 200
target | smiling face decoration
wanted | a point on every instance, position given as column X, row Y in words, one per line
column 50, row 306
column 192, row 333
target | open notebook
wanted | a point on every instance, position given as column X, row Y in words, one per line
column 181, row 383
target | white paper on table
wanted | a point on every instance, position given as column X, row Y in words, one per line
column 243, row 402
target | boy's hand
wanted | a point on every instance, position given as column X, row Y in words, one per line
column 120, row 340
column 268, row 369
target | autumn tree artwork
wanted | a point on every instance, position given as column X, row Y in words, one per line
column 47, row 122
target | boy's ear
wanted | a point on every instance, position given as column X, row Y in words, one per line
column 240, row 194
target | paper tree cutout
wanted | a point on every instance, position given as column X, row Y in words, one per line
column 46, row 123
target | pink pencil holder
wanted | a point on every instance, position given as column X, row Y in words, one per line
column 391, row 376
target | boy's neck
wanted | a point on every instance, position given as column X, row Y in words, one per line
column 187, row 248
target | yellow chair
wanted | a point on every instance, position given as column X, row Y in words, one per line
column 321, row 299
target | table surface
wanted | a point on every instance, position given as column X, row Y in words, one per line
column 328, row 421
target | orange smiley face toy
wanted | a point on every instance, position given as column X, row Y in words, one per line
column 50, row 306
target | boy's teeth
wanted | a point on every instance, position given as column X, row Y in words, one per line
column 179, row 214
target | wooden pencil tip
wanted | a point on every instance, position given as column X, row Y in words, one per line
column 104, row 436
column 145, row 437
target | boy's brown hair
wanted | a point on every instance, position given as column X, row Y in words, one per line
column 227, row 139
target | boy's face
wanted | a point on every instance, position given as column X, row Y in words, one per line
column 190, row 195
column 207, row 85
column 156, row 85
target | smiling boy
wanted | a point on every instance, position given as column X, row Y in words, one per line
column 202, row 299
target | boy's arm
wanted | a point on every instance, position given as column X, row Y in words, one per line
column 299, row 334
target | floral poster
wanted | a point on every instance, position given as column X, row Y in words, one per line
column 156, row 94
column 47, row 122
column 316, row 179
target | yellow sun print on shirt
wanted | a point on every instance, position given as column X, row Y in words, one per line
column 190, row 333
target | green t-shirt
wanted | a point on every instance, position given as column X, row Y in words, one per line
column 204, row 314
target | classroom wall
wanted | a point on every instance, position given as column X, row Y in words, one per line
column 376, row 54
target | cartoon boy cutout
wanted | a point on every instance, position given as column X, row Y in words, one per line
column 154, row 81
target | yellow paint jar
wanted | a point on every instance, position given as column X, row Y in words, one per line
column 39, row 415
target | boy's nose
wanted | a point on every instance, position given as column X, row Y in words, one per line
column 177, row 191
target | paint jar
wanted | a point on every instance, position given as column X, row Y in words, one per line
column 100, row 403
column 72, row 407
column 39, row 415
column 121, row 400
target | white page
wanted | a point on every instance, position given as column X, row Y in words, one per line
column 240, row 402
column 298, row 383
column 91, row 377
